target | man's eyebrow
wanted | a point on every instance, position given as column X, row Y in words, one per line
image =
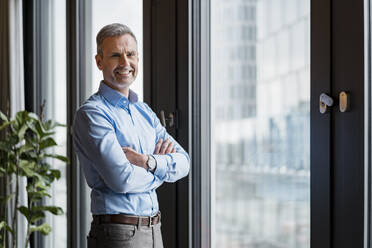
column 119, row 52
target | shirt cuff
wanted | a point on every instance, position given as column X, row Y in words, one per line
column 161, row 166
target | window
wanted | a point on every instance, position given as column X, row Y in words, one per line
column 260, row 151
column 58, row 106
column 49, row 84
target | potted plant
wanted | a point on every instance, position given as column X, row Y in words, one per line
column 25, row 152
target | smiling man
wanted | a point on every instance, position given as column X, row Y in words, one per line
column 125, row 152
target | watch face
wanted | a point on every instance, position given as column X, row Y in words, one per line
column 151, row 163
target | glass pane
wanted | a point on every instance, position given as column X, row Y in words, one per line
column 53, row 90
column 260, row 74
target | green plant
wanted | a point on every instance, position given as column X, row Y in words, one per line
column 25, row 152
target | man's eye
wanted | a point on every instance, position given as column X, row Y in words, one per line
column 115, row 55
column 131, row 54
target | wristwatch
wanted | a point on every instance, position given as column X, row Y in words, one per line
column 151, row 163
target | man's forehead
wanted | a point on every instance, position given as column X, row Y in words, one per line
column 123, row 42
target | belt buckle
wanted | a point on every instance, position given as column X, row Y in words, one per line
column 150, row 222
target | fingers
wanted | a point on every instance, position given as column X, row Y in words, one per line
column 158, row 146
column 170, row 148
column 127, row 149
column 164, row 146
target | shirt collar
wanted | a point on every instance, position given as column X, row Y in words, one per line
column 115, row 97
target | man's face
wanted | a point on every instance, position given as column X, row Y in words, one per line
column 119, row 63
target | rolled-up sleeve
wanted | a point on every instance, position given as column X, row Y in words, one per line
column 95, row 139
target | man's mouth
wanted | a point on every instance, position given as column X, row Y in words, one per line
column 124, row 73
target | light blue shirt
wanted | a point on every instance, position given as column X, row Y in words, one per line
column 108, row 121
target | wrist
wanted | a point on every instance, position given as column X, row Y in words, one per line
column 151, row 163
column 145, row 158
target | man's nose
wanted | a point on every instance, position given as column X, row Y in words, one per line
column 124, row 60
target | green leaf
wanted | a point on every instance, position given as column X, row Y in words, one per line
column 5, row 124
column 59, row 157
column 25, row 148
column 46, row 135
column 30, row 164
column 47, row 143
column 3, row 117
column 44, row 229
column 52, row 209
column 28, row 172
column 36, row 215
column 33, row 116
column 27, row 168
column 22, row 131
column 38, row 195
column 30, row 156
column 5, row 225
column 21, row 117
column 56, row 174
column 43, row 180
column 49, row 124
column 25, row 212
column 39, row 184
column 44, row 165
column 40, row 128
column 34, row 130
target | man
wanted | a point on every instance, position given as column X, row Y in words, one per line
column 124, row 150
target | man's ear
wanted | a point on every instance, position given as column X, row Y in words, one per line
column 99, row 61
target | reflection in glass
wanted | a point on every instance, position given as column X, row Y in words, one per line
column 260, row 74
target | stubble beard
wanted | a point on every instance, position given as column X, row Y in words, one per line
column 118, row 84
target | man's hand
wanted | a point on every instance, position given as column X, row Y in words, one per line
column 140, row 159
column 135, row 158
column 164, row 147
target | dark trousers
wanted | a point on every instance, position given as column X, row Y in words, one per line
column 124, row 236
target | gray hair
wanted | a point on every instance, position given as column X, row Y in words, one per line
column 111, row 30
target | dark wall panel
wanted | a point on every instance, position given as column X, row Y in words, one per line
column 320, row 125
column 166, row 88
column 347, row 128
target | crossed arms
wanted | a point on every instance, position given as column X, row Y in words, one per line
column 138, row 159
column 123, row 169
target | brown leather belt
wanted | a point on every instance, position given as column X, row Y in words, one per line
column 126, row 219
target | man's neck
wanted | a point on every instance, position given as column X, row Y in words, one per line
column 124, row 91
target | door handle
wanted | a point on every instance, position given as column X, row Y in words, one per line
column 344, row 101
column 326, row 101
column 164, row 120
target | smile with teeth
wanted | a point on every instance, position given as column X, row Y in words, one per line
column 124, row 73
